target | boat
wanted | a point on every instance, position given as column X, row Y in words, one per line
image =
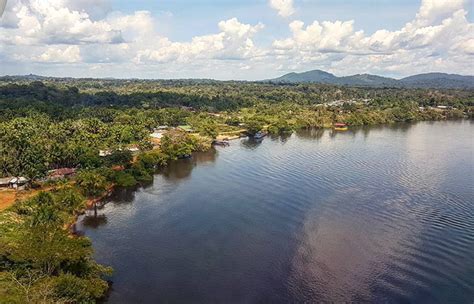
column 259, row 135
column 185, row 156
column 222, row 143
column 340, row 126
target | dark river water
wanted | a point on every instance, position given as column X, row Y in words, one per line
column 384, row 214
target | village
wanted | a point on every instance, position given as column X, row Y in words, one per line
column 15, row 188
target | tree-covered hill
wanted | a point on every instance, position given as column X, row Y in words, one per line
column 430, row 80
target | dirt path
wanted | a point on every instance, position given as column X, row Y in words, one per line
column 9, row 196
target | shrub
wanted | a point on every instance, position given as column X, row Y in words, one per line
column 72, row 289
column 124, row 179
column 91, row 182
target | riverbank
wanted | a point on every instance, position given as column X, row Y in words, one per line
column 36, row 225
column 303, row 197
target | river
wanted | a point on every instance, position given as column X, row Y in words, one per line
column 381, row 214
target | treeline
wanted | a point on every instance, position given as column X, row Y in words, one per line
column 37, row 95
column 217, row 96
column 48, row 126
column 34, row 143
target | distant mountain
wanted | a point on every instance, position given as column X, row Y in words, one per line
column 430, row 80
column 439, row 80
column 30, row 77
column 367, row 80
column 310, row 76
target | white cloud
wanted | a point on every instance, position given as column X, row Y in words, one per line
column 51, row 22
column 439, row 38
column 87, row 36
column 233, row 42
column 69, row 54
column 96, row 9
column 285, row 8
column 431, row 10
column 324, row 37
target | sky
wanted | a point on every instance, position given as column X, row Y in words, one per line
column 240, row 39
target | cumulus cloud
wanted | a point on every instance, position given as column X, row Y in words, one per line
column 68, row 54
column 51, row 22
column 316, row 37
column 121, row 37
column 285, row 8
column 432, row 10
column 439, row 38
column 89, row 35
column 96, row 9
column 234, row 42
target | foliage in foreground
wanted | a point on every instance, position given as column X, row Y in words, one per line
column 40, row 261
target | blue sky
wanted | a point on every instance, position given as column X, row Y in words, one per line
column 235, row 39
column 193, row 18
column 199, row 17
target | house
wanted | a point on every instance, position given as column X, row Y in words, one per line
column 104, row 153
column 186, row 128
column 133, row 149
column 157, row 135
column 5, row 182
column 61, row 173
column 162, row 128
column 19, row 183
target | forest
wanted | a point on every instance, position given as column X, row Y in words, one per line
column 65, row 123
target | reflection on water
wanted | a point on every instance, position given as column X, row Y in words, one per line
column 310, row 133
column 182, row 169
column 283, row 138
column 378, row 214
column 251, row 143
column 94, row 220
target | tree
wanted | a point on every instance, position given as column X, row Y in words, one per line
column 176, row 144
column 40, row 261
column 69, row 199
column 91, row 182
column 120, row 158
column 254, row 125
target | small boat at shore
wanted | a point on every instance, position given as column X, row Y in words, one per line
column 185, row 156
column 340, row 126
column 222, row 143
column 259, row 135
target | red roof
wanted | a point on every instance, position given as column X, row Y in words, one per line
column 340, row 124
column 62, row 171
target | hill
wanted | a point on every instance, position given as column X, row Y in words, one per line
column 439, row 80
column 429, row 80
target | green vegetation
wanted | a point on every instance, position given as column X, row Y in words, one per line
column 66, row 123
column 40, row 262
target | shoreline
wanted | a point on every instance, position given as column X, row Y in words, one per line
column 8, row 197
column 95, row 201
column 110, row 212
